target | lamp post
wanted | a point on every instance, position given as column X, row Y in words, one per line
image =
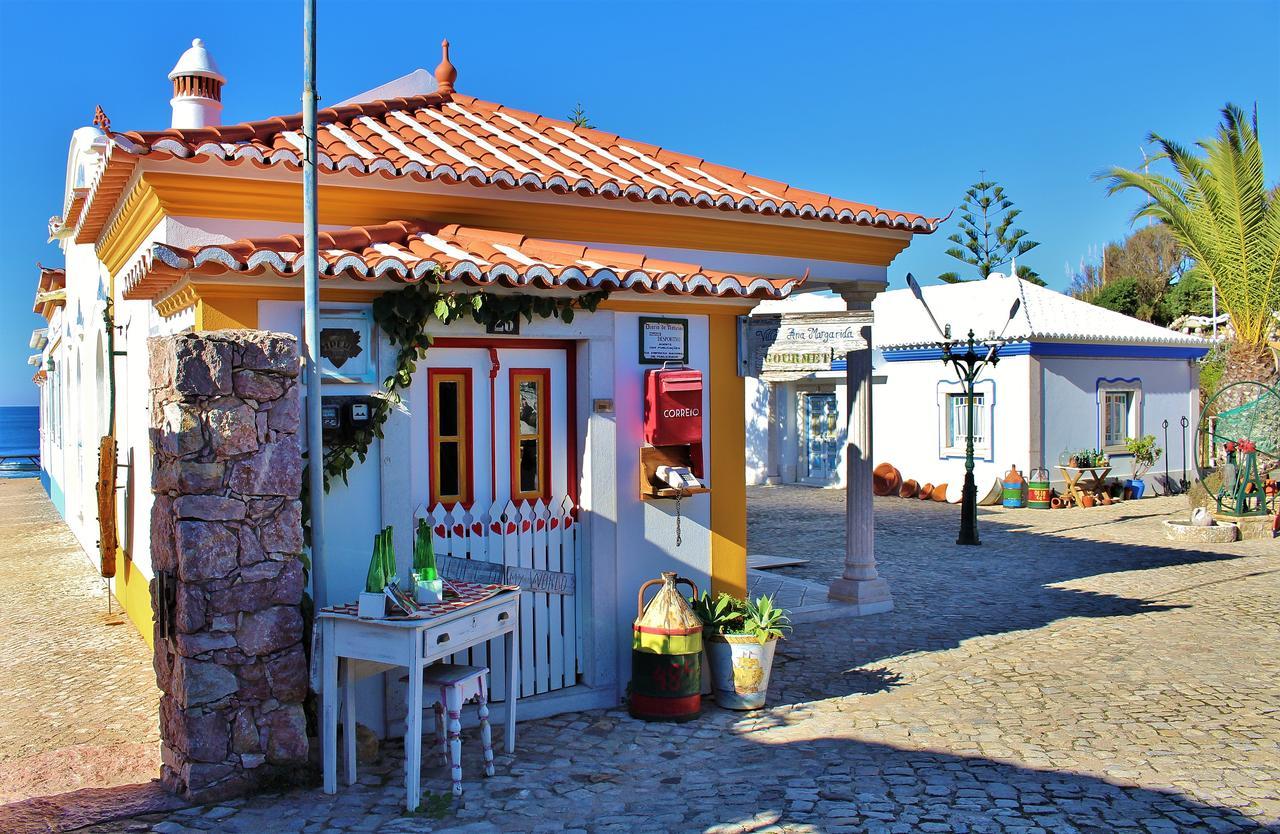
column 968, row 357
column 968, row 360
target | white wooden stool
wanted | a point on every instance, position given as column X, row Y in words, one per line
column 447, row 686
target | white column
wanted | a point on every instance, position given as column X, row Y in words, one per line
column 774, row 436
column 860, row 584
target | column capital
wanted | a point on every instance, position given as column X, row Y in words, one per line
column 858, row 295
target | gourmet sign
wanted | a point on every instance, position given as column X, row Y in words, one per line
column 798, row 342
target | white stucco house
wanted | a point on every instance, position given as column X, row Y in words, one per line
column 196, row 227
column 1073, row 376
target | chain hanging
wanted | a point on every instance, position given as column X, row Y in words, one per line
column 679, row 498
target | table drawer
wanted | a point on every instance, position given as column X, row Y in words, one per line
column 468, row 630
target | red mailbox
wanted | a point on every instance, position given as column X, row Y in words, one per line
column 673, row 410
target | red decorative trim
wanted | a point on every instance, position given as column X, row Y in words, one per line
column 648, row 706
column 667, row 632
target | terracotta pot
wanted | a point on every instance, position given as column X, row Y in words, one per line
column 925, row 492
column 1056, row 503
column 1106, row 499
column 908, row 489
column 939, row 493
column 885, row 479
column 1087, row 501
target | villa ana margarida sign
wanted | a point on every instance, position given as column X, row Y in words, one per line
column 793, row 343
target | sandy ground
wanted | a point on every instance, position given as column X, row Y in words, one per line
column 76, row 681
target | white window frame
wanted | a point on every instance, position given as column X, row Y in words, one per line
column 1107, row 389
column 951, row 444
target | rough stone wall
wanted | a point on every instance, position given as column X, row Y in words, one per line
column 226, row 537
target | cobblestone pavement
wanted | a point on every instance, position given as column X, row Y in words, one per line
column 1077, row 673
column 76, row 682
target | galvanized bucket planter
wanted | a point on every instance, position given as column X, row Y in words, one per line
column 740, row 667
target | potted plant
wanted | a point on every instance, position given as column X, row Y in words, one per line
column 740, row 636
column 1145, row 453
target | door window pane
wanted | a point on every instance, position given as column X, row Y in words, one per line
column 449, row 480
column 447, row 407
column 450, row 442
column 528, row 405
column 530, row 452
column 529, row 466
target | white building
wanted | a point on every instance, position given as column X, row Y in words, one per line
column 197, row 227
column 1074, row 376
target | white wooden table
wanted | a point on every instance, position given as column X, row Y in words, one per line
column 364, row 647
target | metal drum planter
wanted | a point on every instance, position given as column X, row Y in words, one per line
column 666, row 654
column 1013, row 487
column 1038, row 489
column 740, row 667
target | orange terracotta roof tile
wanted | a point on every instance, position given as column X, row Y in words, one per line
column 407, row 251
column 449, row 138
column 49, row 287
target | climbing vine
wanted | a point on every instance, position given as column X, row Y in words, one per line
column 405, row 314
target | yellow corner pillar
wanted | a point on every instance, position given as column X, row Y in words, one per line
column 728, row 459
column 133, row 592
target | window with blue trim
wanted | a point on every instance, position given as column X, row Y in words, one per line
column 1119, row 414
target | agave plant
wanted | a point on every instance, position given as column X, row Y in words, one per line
column 764, row 621
column 1221, row 209
column 723, row 614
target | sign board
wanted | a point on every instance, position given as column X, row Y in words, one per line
column 790, row 338
column 787, row 358
column 492, row 573
column 510, row 327
column 663, row 340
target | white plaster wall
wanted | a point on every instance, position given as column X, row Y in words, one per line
column 908, row 421
column 1071, row 420
column 646, row 529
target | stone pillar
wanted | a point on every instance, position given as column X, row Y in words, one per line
column 774, row 435
column 860, row 584
column 226, row 541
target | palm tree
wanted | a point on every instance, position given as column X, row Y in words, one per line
column 1220, row 208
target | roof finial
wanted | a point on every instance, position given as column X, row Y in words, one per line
column 100, row 120
column 446, row 73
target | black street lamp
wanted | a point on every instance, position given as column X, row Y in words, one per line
column 968, row 356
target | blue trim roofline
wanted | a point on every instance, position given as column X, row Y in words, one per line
column 1061, row 349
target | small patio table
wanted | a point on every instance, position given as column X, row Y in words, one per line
column 1080, row 484
column 369, row 646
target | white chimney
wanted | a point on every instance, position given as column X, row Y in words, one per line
column 197, row 89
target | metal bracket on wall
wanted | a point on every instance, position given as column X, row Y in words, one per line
column 165, row 603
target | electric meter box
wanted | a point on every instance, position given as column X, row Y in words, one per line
column 673, row 407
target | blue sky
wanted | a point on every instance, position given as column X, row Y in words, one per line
column 898, row 104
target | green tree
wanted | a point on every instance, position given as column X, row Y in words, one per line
column 1119, row 294
column 1220, row 208
column 987, row 236
column 1155, row 261
column 1191, row 296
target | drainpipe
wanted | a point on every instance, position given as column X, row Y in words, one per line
column 311, row 305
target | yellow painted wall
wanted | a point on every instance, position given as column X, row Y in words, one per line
column 134, row 595
column 227, row 312
column 728, row 460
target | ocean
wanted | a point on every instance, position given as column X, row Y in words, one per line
column 19, row 435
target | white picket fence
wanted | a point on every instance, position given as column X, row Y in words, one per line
column 537, row 535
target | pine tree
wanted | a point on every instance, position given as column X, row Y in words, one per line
column 987, row 237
